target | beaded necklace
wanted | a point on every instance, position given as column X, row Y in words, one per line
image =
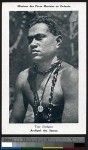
column 38, row 107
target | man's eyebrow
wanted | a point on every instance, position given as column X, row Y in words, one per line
column 34, row 36
column 40, row 34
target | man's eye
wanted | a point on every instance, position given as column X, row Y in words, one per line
column 39, row 37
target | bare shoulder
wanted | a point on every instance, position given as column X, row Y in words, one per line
column 22, row 78
column 68, row 71
column 69, row 84
column 69, row 76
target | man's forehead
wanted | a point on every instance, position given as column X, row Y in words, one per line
column 38, row 28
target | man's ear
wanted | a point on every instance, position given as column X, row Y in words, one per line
column 59, row 40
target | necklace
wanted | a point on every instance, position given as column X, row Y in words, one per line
column 38, row 107
column 53, row 66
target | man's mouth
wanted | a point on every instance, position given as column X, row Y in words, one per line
column 35, row 51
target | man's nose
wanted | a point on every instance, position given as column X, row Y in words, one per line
column 33, row 43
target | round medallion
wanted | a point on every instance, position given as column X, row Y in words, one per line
column 40, row 108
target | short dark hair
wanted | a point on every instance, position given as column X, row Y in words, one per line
column 52, row 25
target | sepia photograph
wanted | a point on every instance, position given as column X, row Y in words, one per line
column 44, row 62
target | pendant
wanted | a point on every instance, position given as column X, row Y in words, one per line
column 40, row 108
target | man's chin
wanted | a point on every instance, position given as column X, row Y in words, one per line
column 37, row 59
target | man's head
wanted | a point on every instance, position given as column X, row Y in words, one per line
column 43, row 39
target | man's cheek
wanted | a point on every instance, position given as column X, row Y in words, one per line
column 47, row 44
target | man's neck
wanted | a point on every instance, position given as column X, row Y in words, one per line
column 43, row 66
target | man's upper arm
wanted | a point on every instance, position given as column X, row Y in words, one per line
column 19, row 110
column 69, row 83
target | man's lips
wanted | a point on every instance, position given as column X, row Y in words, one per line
column 35, row 51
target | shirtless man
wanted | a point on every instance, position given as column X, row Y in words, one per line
column 50, row 85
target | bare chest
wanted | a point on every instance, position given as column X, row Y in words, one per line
column 49, row 91
column 44, row 91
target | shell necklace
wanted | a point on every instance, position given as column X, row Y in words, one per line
column 38, row 107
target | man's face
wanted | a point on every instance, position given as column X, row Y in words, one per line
column 42, row 43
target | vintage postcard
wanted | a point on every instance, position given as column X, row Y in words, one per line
column 44, row 68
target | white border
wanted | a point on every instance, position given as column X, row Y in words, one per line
column 67, row 128
column 6, row 144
